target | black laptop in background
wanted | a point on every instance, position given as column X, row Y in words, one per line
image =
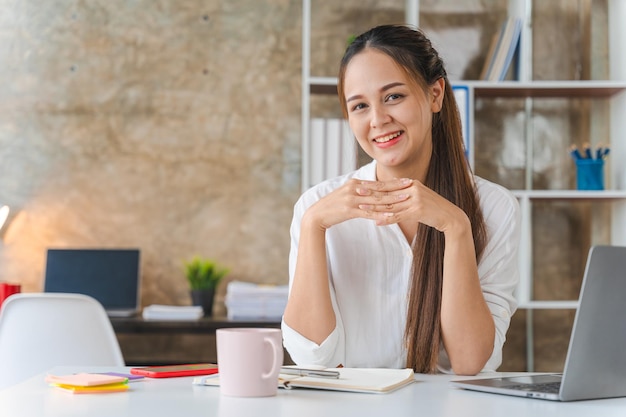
column 111, row 276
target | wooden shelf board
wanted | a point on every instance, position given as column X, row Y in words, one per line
column 511, row 89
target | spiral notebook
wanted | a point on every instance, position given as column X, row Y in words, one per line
column 366, row 380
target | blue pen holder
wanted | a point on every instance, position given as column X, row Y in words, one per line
column 590, row 174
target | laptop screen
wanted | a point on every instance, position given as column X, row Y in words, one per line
column 111, row 276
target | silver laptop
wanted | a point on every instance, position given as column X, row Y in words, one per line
column 111, row 276
column 595, row 366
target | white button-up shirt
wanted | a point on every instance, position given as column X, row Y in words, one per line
column 369, row 276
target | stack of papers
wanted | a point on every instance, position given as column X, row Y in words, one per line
column 249, row 301
column 166, row 312
column 85, row 383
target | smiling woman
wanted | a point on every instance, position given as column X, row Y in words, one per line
column 410, row 261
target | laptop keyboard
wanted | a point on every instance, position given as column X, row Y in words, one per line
column 548, row 387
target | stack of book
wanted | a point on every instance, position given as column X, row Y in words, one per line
column 249, row 301
column 502, row 49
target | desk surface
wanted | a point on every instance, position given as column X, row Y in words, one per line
column 431, row 396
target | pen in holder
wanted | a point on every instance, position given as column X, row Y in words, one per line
column 590, row 174
column 589, row 166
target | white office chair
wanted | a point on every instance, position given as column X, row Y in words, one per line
column 41, row 330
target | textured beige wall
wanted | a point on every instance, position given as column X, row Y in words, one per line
column 172, row 126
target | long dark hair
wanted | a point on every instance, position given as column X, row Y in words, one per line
column 448, row 174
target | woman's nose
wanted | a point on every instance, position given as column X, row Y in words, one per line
column 379, row 117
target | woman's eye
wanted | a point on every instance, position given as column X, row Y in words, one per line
column 394, row 96
column 358, row 106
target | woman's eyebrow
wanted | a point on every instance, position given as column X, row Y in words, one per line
column 391, row 85
column 383, row 88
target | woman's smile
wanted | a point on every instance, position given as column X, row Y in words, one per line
column 388, row 139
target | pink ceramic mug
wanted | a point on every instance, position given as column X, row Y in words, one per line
column 249, row 361
column 7, row 290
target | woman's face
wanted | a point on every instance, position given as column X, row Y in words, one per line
column 390, row 115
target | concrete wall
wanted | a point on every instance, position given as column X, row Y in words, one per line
column 167, row 125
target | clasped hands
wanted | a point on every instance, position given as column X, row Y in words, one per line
column 385, row 202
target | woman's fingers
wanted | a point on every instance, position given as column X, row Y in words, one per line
column 385, row 202
column 381, row 194
column 382, row 187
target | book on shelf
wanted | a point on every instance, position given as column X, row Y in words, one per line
column 170, row 312
column 365, row 380
column 491, row 53
column 462, row 98
column 502, row 50
column 333, row 150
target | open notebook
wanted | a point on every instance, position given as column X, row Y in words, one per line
column 368, row 380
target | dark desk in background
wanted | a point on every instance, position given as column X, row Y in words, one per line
column 205, row 325
column 164, row 342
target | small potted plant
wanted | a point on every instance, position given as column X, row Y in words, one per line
column 203, row 276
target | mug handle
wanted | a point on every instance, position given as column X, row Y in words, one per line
column 276, row 364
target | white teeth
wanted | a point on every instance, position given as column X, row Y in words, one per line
column 387, row 138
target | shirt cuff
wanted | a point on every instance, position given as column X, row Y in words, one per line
column 306, row 352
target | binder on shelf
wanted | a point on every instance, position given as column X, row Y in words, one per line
column 462, row 97
column 333, row 149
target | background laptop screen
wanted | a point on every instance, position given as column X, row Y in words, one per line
column 111, row 276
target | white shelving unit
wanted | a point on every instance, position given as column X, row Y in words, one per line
column 613, row 90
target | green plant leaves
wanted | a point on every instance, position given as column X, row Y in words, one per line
column 204, row 273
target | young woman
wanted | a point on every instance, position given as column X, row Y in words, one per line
column 410, row 261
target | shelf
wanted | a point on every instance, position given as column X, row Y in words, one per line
column 570, row 194
column 548, row 305
column 546, row 89
column 323, row 85
column 510, row 89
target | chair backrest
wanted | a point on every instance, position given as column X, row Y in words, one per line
column 41, row 330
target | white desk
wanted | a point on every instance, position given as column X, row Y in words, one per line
column 431, row 396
